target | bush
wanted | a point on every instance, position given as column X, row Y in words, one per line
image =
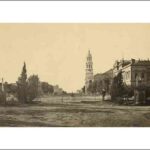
column 2, row 98
column 11, row 100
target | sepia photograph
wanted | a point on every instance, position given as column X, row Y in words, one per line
column 75, row 75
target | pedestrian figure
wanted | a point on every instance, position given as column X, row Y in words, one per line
column 103, row 94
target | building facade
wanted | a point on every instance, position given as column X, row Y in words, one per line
column 89, row 71
column 133, row 70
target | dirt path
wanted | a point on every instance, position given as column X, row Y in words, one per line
column 94, row 114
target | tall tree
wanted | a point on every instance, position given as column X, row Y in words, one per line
column 117, row 88
column 22, row 85
column 120, row 84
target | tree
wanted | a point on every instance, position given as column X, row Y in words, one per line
column 89, row 89
column 120, row 84
column 107, row 84
column 47, row 88
column 64, row 93
column 22, row 85
column 94, row 87
column 99, row 86
column 33, row 85
column 114, row 89
column 10, row 88
column 117, row 88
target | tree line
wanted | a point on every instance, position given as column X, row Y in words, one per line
column 96, row 86
column 26, row 88
column 113, row 86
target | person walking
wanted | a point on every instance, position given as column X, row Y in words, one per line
column 103, row 94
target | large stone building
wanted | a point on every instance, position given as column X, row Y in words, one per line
column 89, row 71
column 133, row 70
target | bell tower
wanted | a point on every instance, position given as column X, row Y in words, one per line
column 89, row 71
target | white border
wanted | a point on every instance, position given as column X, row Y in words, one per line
column 74, row 12
column 75, row 138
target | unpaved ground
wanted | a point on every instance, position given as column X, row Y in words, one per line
column 78, row 114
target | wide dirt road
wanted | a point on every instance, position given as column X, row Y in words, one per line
column 75, row 114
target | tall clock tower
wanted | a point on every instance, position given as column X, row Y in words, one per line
column 89, row 71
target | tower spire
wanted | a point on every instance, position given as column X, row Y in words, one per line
column 89, row 71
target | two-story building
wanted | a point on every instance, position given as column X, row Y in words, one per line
column 133, row 70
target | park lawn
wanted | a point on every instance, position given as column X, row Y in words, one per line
column 79, row 114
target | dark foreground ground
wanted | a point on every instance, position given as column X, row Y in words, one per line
column 74, row 114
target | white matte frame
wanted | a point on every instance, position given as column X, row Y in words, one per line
column 75, row 12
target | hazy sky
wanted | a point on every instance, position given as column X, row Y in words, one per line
column 57, row 52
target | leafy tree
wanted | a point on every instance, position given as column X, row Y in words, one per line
column 117, row 88
column 120, row 84
column 22, row 85
column 94, row 87
column 99, row 86
column 10, row 88
column 114, row 89
column 64, row 93
column 47, row 88
column 33, row 84
column 106, row 84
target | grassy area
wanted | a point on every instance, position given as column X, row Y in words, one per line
column 50, row 113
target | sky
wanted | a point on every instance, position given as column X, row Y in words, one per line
column 57, row 52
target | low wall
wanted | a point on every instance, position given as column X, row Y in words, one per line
column 58, row 99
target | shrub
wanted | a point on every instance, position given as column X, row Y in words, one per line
column 2, row 98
